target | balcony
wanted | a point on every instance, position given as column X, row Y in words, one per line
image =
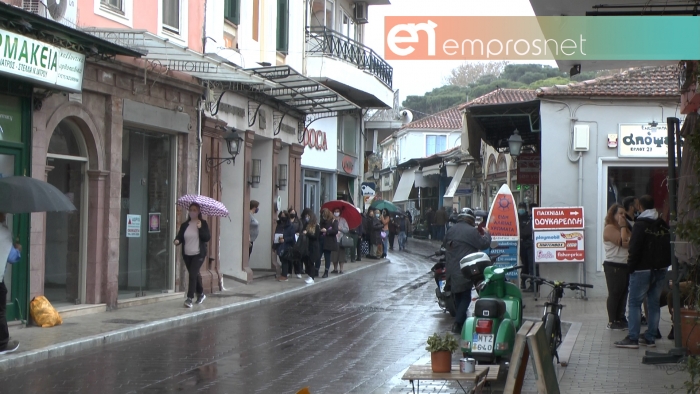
column 335, row 60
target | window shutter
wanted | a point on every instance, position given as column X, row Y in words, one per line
column 232, row 11
column 282, row 26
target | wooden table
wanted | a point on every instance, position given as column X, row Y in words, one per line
column 425, row 372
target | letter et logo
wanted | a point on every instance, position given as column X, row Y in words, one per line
column 393, row 39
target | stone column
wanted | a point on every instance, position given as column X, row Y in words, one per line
column 98, row 228
column 276, row 147
column 294, row 176
column 249, row 137
column 112, row 201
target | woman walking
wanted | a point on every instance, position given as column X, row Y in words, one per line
column 298, row 225
column 386, row 221
column 329, row 229
column 616, row 237
column 286, row 242
column 254, row 208
column 193, row 236
column 312, row 232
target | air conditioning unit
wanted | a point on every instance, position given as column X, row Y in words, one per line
column 61, row 11
column 361, row 12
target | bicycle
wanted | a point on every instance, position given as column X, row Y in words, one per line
column 552, row 309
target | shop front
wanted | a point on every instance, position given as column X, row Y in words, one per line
column 319, row 164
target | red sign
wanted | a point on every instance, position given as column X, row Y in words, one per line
column 315, row 139
column 529, row 169
column 567, row 218
column 348, row 164
column 571, row 255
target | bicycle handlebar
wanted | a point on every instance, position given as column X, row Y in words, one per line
column 555, row 284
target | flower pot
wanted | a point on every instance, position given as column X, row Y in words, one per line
column 441, row 361
column 690, row 330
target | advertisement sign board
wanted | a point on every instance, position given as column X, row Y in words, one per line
column 133, row 226
column 559, row 246
column 643, row 140
column 529, row 168
column 504, row 227
column 557, row 218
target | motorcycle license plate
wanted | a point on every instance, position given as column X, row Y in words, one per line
column 442, row 285
column 482, row 343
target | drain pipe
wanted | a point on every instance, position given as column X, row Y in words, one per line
column 199, row 146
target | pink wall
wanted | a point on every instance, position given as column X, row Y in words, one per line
column 145, row 17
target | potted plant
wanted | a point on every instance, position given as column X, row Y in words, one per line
column 441, row 349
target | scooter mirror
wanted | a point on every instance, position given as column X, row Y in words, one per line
column 494, row 244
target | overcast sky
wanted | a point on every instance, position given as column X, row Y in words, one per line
column 413, row 77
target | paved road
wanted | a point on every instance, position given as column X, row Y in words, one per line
column 352, row 337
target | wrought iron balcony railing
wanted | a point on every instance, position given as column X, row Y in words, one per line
column 323, row 41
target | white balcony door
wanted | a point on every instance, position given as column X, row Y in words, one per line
column 346, row 25
column 322, row 12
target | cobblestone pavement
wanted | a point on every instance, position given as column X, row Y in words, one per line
column 357, row 336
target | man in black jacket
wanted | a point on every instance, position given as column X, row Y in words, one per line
column 526, row 245
column 648, row 261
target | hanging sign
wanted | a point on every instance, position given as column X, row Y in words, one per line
column 38, row 61
column 133, row 226
column 643, row 140
column 528, row 170
column 504, row 227
column 566, row 218
column 559, row 246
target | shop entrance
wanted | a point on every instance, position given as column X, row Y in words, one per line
column 619, row 180
column 146, row 264
column 65, row 253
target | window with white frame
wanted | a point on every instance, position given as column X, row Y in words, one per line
column 402, row 149
column 113, row 5
column 322, row 12
column 171, row 15
column 435, row 144
column 347, row 134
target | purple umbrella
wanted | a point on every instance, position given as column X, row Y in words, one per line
column 209, row 206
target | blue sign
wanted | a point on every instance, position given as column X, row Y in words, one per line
column 508, row 251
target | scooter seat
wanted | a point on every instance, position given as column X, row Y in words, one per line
column 490, row 307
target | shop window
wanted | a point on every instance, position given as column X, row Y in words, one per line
column 637, row 181
column 282, row 26
column 232, row 11
column 171, row 15
column 348, row 128
column 435, row 144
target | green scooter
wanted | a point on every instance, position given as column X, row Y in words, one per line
column 489, row 335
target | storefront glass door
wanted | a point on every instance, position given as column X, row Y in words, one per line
column 145, row 261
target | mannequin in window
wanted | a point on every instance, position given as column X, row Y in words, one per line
column 613, row 193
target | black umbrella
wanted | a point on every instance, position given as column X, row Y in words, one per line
column 21, row 194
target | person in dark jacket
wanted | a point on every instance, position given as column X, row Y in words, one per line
column 393, row 231
column 441, row 219
column 298, row 225
column 193, row 236
column 359, row 233
column 461, row 240
column 329, row 229
column 312, row 231
column 286, row 240
column 526, row 245
column 368, row 224
column 648, row 264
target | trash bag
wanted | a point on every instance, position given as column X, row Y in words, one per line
column 43, row 313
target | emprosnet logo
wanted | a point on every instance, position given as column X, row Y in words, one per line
column 541, row 38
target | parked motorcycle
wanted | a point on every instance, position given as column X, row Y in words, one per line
column 489, row 335
column 442, row 292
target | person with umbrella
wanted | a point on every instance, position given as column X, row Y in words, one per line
column 10, row 253
column 194, row 235
column 329, row 229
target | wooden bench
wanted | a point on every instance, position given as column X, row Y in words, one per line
column 481, row 375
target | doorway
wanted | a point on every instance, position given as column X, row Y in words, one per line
column 65, row 248
column 146, row 262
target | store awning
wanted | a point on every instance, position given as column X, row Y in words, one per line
column 432, row 170
column 454, row 185
column 405, row 185
column 164, row 55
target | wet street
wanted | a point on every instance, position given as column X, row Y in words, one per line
column 351, row 337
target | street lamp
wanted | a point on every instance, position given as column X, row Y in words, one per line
column 233, row 145
column 375, row 172
column 254, row 180
column 515, row 143
column 282, row 177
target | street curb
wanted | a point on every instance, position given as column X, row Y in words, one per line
column 70, row 347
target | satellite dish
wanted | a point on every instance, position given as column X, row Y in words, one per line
column 57, row 8
column 406, row 116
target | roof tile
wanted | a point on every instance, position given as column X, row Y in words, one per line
column 635, row 82
column 449, row 119
column 502, row 96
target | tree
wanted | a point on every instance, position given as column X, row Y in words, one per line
column 435, row 101
column 470, row 72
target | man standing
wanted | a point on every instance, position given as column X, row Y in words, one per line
column 648, row 262
column 526, row 245
column 9, row 253
column 441, row 219
column 630, row 205
column 461, row 240
column 430, row 222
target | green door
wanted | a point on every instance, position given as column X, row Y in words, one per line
column 16, row 274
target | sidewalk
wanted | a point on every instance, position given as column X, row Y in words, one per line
column 97, row 329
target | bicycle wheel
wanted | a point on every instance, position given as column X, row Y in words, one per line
column 553, row 331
